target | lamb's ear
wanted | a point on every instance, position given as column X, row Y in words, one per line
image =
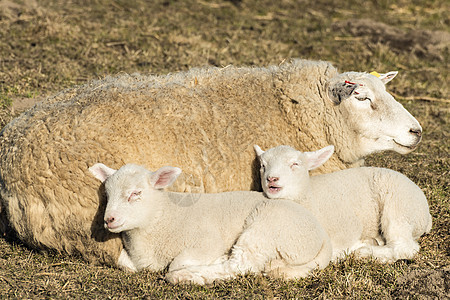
column 341, row 90
column 386, row 77
column 258, row 150
column 319, row 157
column 164, row 177
column 101, row 172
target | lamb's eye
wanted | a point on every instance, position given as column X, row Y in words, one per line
column 134, row 195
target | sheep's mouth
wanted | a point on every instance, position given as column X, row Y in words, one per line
column 273, row 189
column 409, row 147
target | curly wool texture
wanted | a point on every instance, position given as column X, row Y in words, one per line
column 204, row 121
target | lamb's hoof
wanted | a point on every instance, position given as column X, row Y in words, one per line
column 184, row 276
column 364, row 252
column 367, row 252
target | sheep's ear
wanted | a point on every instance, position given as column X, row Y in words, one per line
column 317, row 158
column 386, row 77
column 341, row 91
column 258, row 150
column 164, row 177
column 101, row 172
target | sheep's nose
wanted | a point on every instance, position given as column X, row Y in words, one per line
column 272, row 179
column 417, row 132
column 109, row 220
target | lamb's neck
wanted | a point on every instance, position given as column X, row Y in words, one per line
column 137, row 237
column 140, row 245
column 306, row 198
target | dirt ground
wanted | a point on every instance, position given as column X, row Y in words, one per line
column 424, row 284
column 47, row 46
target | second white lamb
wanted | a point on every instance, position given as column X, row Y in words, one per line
column 370, row 211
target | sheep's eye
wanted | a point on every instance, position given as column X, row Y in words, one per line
column 263, row 167
column 295, row 164
column 134, row 195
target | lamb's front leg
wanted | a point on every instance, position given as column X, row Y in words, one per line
column 249, row 254
column 124, row 262
column 222, row 269
column 192, row 258
column 199, row 274
column 400, row 244
column 299, row 248
column 391, row 252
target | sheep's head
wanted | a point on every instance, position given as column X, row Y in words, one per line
column 379, row 121
column 284, row 170
column 133, row 194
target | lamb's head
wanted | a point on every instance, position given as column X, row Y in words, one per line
column 379, row 121
column 284, row 170
column 134, row 194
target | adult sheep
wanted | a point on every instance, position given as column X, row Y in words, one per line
column 204, row 121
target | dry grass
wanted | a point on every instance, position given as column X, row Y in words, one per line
column 48, row 45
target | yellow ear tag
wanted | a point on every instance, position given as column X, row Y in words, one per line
column 374, row 73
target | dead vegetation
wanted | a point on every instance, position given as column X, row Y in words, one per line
column 46, row 46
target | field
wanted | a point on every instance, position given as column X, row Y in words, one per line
column 46, row 46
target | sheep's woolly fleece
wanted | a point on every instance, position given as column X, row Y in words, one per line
column 204, row 121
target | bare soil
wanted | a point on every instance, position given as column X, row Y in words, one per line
column 424, row 284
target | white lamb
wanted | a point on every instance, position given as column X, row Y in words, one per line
column 375, row 211
column 193, row 234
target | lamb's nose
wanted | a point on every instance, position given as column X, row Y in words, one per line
column 109, row 220
column 417, row 132
column 272, row 179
